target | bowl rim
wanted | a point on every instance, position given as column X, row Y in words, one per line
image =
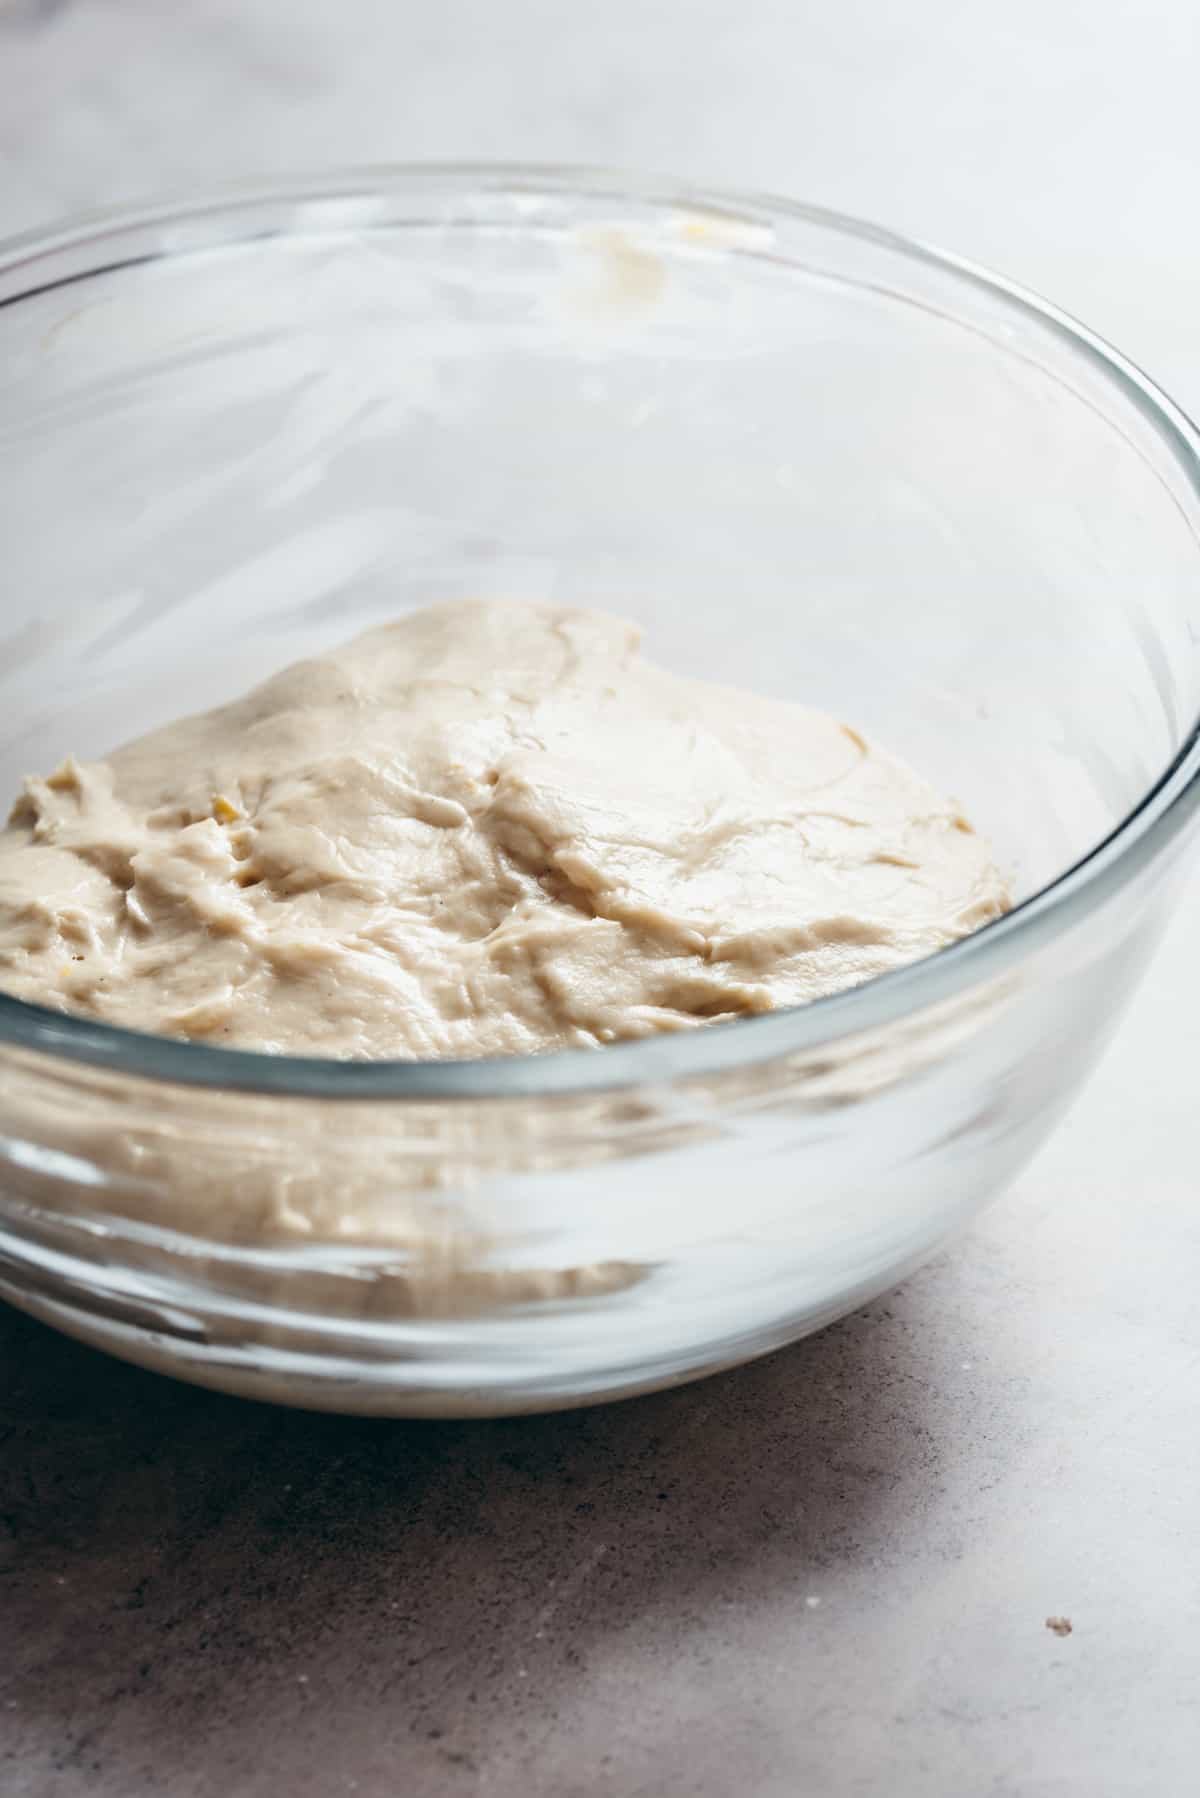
column 1156, row 820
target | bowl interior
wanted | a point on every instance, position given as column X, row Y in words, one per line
column 807, row 458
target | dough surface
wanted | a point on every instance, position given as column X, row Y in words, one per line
column 484, row 829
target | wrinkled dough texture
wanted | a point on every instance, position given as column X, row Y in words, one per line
column 484, row 829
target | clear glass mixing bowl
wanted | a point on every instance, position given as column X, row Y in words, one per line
column 807, row 456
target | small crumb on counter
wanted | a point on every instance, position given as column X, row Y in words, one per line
column 1060, row 1625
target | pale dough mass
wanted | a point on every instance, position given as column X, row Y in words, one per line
column 484, row 829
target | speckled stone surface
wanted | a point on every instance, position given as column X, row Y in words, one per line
column 797, row 1578
column 824, row 1576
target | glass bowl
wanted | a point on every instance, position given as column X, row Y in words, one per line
column 805, row 455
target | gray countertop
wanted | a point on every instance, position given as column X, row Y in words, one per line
column 830, row 1572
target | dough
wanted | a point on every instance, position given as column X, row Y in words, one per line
column 484, row 829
